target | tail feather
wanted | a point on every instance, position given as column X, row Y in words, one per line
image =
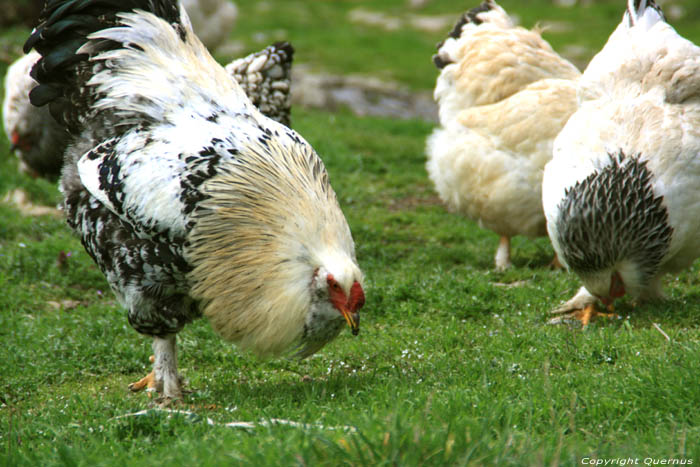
column 487, row 12
column 64, row 27
column 641, row 11
column 265, row 77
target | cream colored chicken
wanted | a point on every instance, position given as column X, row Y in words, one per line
column 504, row 95
column 621, row 194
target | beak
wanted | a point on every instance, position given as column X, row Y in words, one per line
column 14, row 141
column 353, row 320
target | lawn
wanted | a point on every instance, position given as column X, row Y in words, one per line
column 454, row 365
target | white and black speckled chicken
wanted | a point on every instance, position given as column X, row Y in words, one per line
column 189, row 199
column 504, row 94
column 621, row 194
column 40, row 142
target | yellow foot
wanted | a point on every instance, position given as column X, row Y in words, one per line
column 148, row 382
column 583, row 315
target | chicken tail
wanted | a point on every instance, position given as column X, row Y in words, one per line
column 265, row 77
column 488, row 12
column 72, row 33
column 643, row 12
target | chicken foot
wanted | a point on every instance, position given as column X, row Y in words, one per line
column 580, row 308
column 148, row 382
column 164, row 378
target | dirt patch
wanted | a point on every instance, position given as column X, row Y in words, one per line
column 364, row 96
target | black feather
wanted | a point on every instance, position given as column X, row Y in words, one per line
column 42, row 95
column 64, row 27
column 286, row 47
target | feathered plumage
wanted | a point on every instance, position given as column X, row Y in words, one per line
column 503, row 96
column 187, row 197
column 621, row 193
column 265, row 77
column 37, row 139
column 40, row 142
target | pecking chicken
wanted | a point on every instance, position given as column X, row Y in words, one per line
column 39, row 141
column 503, row 96
column 190, row 200
column 36, row 138
column 621, row 193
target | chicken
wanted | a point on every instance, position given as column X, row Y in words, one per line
column 503, row 97
column 36, row 138
column 39, row 141
column 265, row 77
column 190, row 200
column 212, row 20
column 621, row 193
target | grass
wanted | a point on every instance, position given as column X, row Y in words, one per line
column 454, row 364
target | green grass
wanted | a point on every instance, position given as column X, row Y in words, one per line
column 454, row 364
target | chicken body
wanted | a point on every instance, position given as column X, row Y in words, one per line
column 40, row 142
column 503, row 96
column 621, row 192
column 36, row 138
column 188, row 198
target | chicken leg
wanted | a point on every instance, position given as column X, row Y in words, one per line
column 556, row 264
column 164, row 377
column 580, row 308
column 503, row 254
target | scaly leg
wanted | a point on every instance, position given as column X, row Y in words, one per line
column 503, row 254
column 165, row 367
column 580, row 308
column 164, row 377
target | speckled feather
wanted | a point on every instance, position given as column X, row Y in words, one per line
column 265, row 77
column 617, row 203
column 266, row 83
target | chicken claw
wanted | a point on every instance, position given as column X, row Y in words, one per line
column 580, row 308
column 148, row 382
